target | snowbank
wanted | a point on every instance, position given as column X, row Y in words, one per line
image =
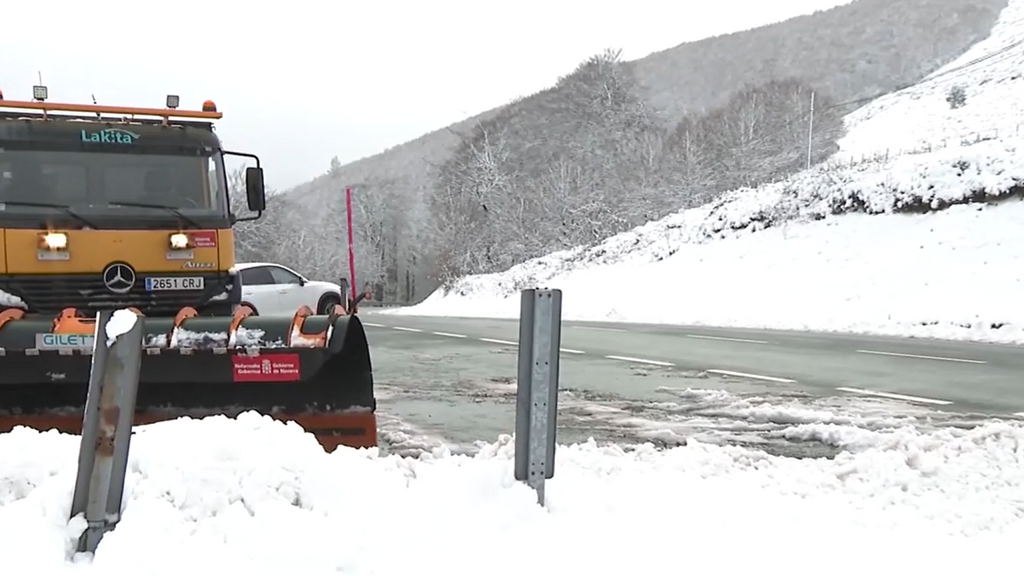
column 222, row 496
column 920, row 117
column 777, row 257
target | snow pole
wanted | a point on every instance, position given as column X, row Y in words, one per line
column 351, row 253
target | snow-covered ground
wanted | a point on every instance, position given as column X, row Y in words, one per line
column 992, row 76
column 254, row 496
column 844, row 246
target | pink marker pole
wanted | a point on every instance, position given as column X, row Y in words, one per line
column 351, row 253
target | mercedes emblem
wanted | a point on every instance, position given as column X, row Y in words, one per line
column 119, row 278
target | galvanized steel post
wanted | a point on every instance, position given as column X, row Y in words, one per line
column 540, row 334
column 106, row 430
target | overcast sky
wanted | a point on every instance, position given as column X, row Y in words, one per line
column 304, row 80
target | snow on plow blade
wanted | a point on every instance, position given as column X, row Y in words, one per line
column 314, row 370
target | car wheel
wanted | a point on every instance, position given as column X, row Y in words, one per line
column 255, row 312
column 327, row 301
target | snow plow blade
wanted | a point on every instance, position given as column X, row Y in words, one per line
column 314, row 370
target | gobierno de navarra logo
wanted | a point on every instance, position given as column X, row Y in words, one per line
column 267, row 366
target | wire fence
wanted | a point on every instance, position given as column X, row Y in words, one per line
column 923, row 147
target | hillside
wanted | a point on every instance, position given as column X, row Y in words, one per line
column 851, row 52
column 613, row 145
column 923, row 243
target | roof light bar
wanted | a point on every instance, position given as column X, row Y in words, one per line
column 40, row 94
column 103, row 109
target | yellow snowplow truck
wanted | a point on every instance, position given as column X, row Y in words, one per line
column 106, row 207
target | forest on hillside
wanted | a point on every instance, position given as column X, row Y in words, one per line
column 600, row 152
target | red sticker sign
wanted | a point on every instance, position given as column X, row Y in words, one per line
column 266, row 368
column 204, row 239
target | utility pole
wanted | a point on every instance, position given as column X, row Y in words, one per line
column 810, row 132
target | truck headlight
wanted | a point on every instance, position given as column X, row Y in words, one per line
column 53, row 241
column 179, row 241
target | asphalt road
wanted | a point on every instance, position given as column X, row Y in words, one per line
column 455, row 377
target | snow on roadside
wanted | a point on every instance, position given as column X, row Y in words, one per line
column 990, row 73
column 252, row 494
column 824, row 424
column 775, row 257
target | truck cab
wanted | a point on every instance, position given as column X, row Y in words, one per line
column 114, row 207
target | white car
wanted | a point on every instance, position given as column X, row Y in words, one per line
column 274, row 290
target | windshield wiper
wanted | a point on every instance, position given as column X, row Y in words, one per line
column 170, row 209
column 62, row 207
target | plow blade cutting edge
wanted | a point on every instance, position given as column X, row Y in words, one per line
column 314, row 370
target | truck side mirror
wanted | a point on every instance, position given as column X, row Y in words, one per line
column 255, row 193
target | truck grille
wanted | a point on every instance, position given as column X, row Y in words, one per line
column 51, row 293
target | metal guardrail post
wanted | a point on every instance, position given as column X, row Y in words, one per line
column 540, row 335
column 106, row 430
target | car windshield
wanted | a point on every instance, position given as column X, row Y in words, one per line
column 113, row 183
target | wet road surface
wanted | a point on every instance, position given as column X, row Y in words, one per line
column 452, row 381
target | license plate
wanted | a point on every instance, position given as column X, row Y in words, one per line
column 174, row 283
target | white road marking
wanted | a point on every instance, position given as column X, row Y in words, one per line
column 703, row 337
column 640, row 360
column 511, row 343
column 943, row 358
column 374, row 325
column 599, row 328
column 894, row 396
column 448, row 334
column 752, row 376
column 404, row 329
column 496, row 341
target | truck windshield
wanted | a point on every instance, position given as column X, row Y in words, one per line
column 105, row 183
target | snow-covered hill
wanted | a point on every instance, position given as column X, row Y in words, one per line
column 992, row 76
column 866, row 242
